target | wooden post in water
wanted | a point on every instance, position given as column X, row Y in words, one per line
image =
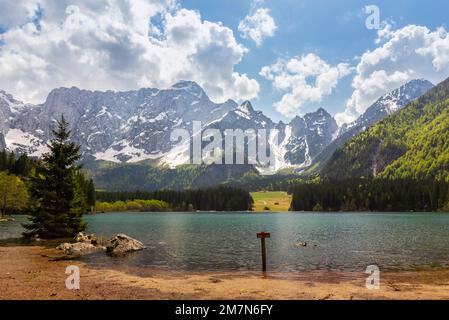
column 262, row 235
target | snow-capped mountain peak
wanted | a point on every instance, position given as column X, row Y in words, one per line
column 7, row 102
column 191, row 87
column 395, row 100
column 388, row 104
column 135, row 125
column 245, row 110
column 307, row 136
column 125, row 126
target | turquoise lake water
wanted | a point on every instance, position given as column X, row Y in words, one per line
column 227, row 241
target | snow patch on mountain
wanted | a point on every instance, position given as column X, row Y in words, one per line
column 25, row 142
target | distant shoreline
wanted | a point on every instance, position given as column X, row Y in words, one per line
column 251, row 211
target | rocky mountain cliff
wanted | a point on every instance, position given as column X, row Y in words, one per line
column 131, row 126
column 135, row 126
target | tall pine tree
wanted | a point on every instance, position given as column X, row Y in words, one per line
column 91, row 196
column 57, row 208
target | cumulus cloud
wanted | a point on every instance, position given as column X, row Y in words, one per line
column 412, row 52
column 115, row 44
column 257, row 26
column 303, row 79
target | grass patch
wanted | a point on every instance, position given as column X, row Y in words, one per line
column 275, row 201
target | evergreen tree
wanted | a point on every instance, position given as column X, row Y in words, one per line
column 19, row 165
column 78, row 207
column 91, row 196
column 57, row 202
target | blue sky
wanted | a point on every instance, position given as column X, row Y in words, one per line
column 335, row 30
column 288, row 57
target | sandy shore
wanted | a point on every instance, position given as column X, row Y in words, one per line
column 33, row 272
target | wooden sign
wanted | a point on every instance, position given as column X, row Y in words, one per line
column 262, row 235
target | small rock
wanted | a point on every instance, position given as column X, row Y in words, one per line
column 87, row 238
column 121, row 243
column 301, row 244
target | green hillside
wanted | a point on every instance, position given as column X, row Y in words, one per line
column 412, row 143
column 151, row 176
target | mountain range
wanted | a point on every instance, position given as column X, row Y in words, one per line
column 130, row 131
column 128, row 127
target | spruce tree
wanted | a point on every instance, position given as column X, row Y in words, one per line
column 56, row 205
column 91, row 196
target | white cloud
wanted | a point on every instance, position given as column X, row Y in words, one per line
column 412, row 52
column 258, row 26
column 304, row 79
column 14, row 13
column 113, row 44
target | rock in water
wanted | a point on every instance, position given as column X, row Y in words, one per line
column 79, row 248
column 121, row 243
column 300, row 244
column 87, row 238
column 85, row 243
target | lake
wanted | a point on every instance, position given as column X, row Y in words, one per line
column 227, row 241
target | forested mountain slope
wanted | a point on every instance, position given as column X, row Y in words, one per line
column 412, row 143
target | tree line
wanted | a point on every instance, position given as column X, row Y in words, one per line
column 132, row 205
column 216, row 199
column 371, row 195
column 19, row 165
column 252, row 181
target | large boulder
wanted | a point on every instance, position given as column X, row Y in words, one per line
column 79, row 248
column 121, row 244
